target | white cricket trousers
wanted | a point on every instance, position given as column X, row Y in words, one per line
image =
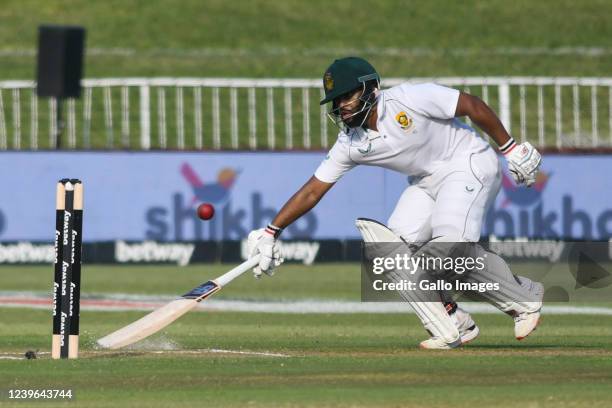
column 450, row 203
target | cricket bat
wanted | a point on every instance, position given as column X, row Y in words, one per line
column 162, row 317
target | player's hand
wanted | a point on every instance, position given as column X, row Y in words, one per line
column 524, row 163
column 262, row 241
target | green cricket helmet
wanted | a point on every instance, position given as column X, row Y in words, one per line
column 346, row 75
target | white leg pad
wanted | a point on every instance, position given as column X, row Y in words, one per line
column 513, row 296
column 432, row 313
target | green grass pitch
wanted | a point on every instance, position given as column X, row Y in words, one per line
column 286, row 360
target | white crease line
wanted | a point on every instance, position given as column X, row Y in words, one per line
column 202, row 351
column 222, row 351
column 251, row 353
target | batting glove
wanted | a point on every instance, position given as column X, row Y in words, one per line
column 264, row 241
column 523, row 161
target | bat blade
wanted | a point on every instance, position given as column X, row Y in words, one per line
column 149, row 324
column 162, row 317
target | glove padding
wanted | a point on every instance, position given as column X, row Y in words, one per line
column 523, row 163
column 261, row 242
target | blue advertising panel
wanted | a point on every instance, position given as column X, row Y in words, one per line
column 571, row 199
column 153, row 196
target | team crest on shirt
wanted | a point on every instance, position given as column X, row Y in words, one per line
column 328, row 81
column 404, row 121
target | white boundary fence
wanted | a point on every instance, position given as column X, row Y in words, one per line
column 215, row 113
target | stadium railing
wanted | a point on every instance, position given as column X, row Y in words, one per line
column 276, row 114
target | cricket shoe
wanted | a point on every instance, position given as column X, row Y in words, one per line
column 465, row 324
column 468, row 331
column 436, row 343
column 525, row 323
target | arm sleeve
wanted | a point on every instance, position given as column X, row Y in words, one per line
column 433, row 100
column 335, row 165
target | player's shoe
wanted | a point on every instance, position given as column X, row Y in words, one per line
column 466, row 325
column 468, row 331
column 526, row 323
column 436, row 343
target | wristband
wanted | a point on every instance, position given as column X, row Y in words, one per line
column 273, row 230
column 507, row 147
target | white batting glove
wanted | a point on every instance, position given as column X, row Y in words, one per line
column 263, row 241
column 523, row 161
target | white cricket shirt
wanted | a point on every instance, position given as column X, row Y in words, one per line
column 417, row 135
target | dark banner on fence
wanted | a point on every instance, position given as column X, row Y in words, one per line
column 306, row 252
column 179, row 253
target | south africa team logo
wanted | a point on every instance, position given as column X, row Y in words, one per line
column 328, row 81
column 404, row 121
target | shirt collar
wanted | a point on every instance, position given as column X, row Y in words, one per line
column 380, row 105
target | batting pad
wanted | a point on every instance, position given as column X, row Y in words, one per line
column 427, row 306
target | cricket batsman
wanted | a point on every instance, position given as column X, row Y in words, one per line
column 454, row 177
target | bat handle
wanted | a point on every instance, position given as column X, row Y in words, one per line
column 237, row 271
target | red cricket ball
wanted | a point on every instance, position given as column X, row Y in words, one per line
column 206, row 211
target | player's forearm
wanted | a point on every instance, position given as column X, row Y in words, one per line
column 484, row 117
column 297, row 206
column 488, row 121
column 301, row 202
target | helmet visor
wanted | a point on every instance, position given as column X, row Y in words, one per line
column 355, row 117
